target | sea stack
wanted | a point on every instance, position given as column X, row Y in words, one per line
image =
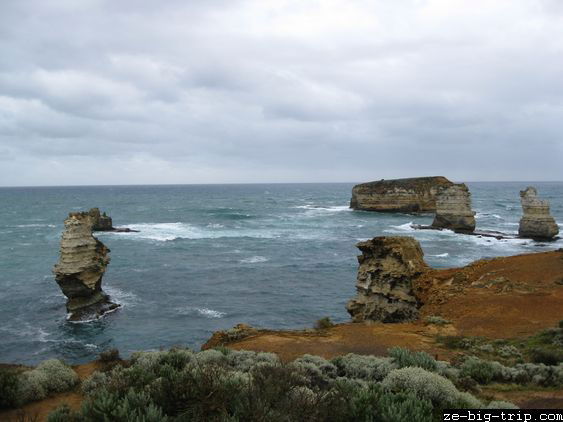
column 388, row 265
column 100, row 222
column 412, row 195
column 536, row 223
column 82, row 264
column 453, row 209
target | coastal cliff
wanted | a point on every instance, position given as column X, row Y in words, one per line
column 82, row 264
column 537, row 222
column 387, row 267
column 400, row 195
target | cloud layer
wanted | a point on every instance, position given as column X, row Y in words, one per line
column 212, row 91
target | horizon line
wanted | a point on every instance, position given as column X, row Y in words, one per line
column 253, row 183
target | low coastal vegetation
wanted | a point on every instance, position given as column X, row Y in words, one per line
column 228, row 385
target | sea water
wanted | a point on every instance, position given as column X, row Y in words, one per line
column 208, row 257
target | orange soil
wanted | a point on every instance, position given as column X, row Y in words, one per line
column 497, row 298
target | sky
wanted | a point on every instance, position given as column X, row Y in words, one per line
column 96, row 92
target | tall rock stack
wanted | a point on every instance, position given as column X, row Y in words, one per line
column 453, row 209
column 537, row 222
column 388, row 265
column 82, row 264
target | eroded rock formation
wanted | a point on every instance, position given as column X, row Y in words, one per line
column 388, row 265
column 100, row 222
column 82, row 264
column 401, row 195
column 537, row 222
column 453, row 209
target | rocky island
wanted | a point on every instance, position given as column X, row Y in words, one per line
column 536, row 223
column 82, row 264
column 453, row 209
column 410, row 195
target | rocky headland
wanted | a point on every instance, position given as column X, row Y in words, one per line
column 82, row 264
column 453, row 209
column 384, row 284
column 411, row 195
column 537, row 222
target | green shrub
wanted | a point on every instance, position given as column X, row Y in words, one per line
column 50, row 376
column 9, row 388
column 404, row 407
column 110, row 355
column 369, row 368
column 63, row 414
column 324, row 324
column 547, row 356
column 436, row 320
column 404, row 358
column 425, row 385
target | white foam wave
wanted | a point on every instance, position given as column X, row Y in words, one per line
column 334, row 208
column 407, row 227
column 441, row 255
column 35, row 225
column 205, row 312
column 121, row 297
column 486, row 214
column 254, row 260
column 171, row 231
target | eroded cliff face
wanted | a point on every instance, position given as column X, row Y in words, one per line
column 401, row 195
column 388, row 265
column 537, row 222
column 453, row 209
column 82, row 264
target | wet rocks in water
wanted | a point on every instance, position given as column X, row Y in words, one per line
column 82, row 264
column 453, row 209
column 536, row 223
column 388, row 265
column 416, row 194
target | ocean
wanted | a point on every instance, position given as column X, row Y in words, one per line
column 208, row 257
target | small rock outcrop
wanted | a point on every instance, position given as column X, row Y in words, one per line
column 401, row 195
column 537, row 222
column 388, row 266
column 453, row 209
column 82, row 264
column 100, row 222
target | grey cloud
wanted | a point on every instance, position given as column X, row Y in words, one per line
column 253, row 91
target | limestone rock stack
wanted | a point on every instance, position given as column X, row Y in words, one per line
column 537, row 222
column 401, row 195
column 388, row 265
column 82, row 264
column 453, row 209
column 100, row 222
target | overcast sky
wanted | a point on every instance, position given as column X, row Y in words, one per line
column 215, row 91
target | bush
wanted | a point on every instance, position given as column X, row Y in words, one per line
column 436, row 320
column 9, row 388
column 369, row 368
column 547, row 356
column 404, row 357
column 50, row 376
column 110, row 355
column 425, row 385
column 324, row 324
